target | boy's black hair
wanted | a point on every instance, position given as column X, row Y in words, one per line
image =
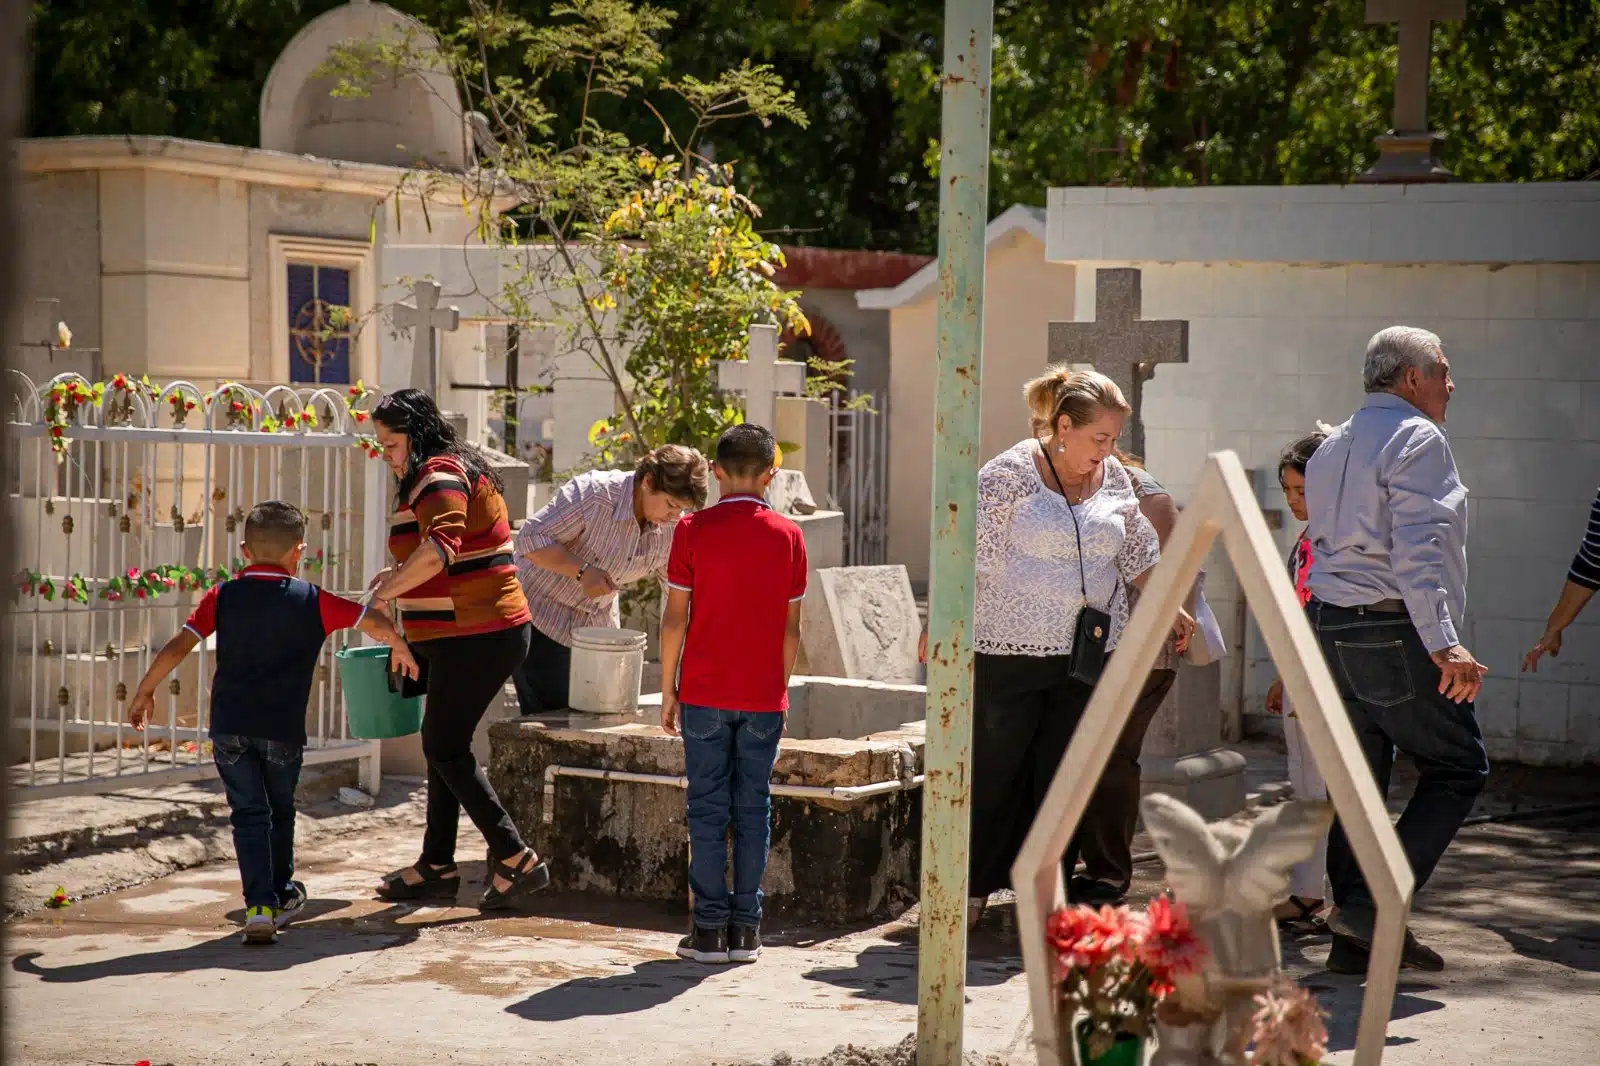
column 747, row 450
column 273, row 529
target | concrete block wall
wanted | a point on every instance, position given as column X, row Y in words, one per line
column 1276, row 346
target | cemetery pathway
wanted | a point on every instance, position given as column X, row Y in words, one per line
column 155, row 973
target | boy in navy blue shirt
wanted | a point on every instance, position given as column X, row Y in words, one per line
column 270, row 626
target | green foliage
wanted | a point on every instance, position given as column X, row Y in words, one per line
column 1154, row 92
column 685, row 265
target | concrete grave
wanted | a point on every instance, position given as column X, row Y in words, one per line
column 861, row 622
column 605, row 794
column 790, row 494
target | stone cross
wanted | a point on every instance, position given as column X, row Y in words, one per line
column 1410, row 152
column 761, row 376
column 1121, row 345
column 1416, row 19
column 423, row 317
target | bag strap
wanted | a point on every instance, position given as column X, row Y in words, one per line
column 1083, row 581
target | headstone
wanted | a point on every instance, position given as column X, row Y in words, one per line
column 790, row 494
column 1409, row 152
column 761, row 375
column 861, row 622
column 1119, row 344
column 422, row 317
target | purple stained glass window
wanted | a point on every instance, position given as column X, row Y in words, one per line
column 319, row 342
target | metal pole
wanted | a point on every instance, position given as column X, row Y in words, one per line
column 963, row 215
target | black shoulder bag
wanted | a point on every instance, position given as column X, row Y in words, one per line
column 1089, row 651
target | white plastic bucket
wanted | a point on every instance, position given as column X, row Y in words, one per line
column 607, row 666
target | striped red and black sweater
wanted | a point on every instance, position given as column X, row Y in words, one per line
column 477, row 591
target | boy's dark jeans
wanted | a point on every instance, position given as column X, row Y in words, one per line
column 260, row 777
column 728, row 756
column 1390, row 688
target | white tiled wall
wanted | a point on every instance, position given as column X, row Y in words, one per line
column 1273, row 347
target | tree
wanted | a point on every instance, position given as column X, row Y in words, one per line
column 648, row 265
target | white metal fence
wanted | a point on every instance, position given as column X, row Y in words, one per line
column 859, row 479
column 123, row 512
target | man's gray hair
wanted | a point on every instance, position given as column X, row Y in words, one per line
column 1393, row 351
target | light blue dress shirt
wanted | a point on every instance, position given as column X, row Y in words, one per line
column 1388, row 518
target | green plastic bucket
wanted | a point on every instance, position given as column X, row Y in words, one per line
column 374, row 712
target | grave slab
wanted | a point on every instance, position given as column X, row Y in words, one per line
column 861, row 622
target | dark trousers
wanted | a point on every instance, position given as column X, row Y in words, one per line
column 543, row 675
column 1105, row 837
column 1024, row 710
column 728, row 758
column 260, row 777
column 1390, row 689
column 465, row 674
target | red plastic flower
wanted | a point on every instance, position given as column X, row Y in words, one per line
column 119, row 382
column 1169, row 946
column 58, row 431
column 1085, row 939
column 133, row 573
column 361, row 416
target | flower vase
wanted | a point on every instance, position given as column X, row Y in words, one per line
column 1127, row 1050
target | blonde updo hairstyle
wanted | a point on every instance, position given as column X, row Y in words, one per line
column 1082, row 395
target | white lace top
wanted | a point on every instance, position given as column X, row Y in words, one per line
column 1028, row 593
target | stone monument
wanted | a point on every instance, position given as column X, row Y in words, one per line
column 422, row 317
column 761, row 375
column 1230, row 876
column 1119, row 344
column 861, row 622
column 1409, row 152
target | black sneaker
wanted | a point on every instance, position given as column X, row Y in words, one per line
column 744, row 943
column 290, row 902
column 704, row 945
column 1093, row 893
column 1349, row 956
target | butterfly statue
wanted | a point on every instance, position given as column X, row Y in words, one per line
column 1230, row 876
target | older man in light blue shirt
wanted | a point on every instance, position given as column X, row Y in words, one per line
column 1388, row 535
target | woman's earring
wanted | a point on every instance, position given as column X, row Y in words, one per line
column 1060, row 449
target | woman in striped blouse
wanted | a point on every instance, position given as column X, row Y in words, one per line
column 1582, row 580
column 464, row 615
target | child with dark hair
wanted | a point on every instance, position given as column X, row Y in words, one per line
column 735, row 579
column 269, row 626
column 1299, row 913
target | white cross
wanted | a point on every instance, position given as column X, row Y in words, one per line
column 761, row 375
column 422, row 318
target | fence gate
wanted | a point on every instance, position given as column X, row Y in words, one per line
column 126, row 502
column 859, row 480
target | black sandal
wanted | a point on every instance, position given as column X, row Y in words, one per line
column 1309, row 920
column 434, row 884
column 523, row 881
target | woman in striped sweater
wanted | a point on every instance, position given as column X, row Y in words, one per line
column 464, row 615
column 1582, row 580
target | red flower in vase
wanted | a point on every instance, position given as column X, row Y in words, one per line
column 1085, row 939
column 1169, row 947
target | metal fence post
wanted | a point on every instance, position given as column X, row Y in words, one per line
column 963, row 216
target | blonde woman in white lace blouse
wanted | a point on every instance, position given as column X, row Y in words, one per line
column 1029, row 593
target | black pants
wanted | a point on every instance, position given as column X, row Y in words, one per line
column 1390, row 689
column 543, row 676
column 1105, row 837
column 1024, row 710
column 465, row 674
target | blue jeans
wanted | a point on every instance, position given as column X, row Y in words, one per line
column 260, row 777
column 728, row 756
column 1390, row 689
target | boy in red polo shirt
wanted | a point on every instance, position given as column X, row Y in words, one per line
column 735, row 579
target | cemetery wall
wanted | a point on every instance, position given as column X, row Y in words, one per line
column 1275, row 347
column 1023, row 294
column 863, row 333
